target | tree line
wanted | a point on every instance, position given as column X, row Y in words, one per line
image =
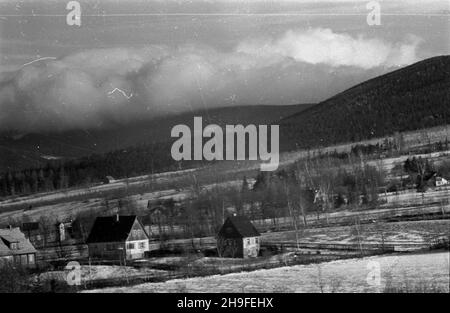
column 85, row 171
column 313, row 186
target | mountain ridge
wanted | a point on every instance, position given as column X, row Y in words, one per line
column 375, row 108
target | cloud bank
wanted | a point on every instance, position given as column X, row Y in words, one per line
column 102, row 87
column 323, row 46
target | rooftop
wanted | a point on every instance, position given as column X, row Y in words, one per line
column 14, row 235
column 111, row 228
column 238, row 226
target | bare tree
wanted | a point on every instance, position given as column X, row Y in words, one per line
column 46, row 228
column 292, row 212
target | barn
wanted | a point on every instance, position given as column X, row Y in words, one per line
column 238, row 238
column 117, row 237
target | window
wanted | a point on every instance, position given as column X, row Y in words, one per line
column 248, row 241
column 257, row 240
column 142, row 245
column 31, row 259
column 14, row 246
column 130, row 246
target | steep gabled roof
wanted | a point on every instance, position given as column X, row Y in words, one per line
column 14, row 235
column 108, row 229
column 238, row 227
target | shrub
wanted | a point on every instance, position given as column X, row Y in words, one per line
column 13, row 278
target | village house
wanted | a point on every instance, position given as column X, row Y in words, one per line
column 109, row 180
column 436, row 181
column 238, row 238
column 16, row 248
column 440, row 181
column 117, row 238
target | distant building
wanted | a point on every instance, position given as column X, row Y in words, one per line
column 16, row 248
column 238, row 238
column 436, row 181
column 49, row 235
column 62, row 232
column 440, row 181
column 117, row 238
column 65, row 231
column 109, row 180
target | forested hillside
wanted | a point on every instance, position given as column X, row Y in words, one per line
column 22, row 151
column 145, row 149
column 414, row 97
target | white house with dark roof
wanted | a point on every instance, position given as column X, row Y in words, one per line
column 16, row 248
column 440, row 181
column 117, row 238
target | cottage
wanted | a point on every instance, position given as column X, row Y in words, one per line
column 117, row 238
column 238, row 238
column 16, row 248
column 436, row 181
column 109, row 180
column 440, row 181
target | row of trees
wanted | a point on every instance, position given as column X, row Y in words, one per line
column 314, row 186
column 51, row 177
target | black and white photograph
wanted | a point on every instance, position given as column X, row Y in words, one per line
column 224, row 147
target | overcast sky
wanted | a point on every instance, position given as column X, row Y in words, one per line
column 138, row 59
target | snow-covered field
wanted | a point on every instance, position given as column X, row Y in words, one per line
column 411, row 197
column 96, row 272
column 411, row 139
column 410, row 272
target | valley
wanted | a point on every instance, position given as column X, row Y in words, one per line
column 351, row 188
